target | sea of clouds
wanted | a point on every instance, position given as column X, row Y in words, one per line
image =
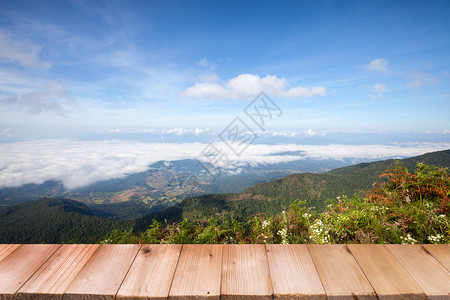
column 80, row 163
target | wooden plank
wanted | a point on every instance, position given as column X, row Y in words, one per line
column 245, row 273
column 293, row 273
column 429, row 274
column 103, row 274
column 441, row 253
column 385, row 273
column 151, row 274
column 53, row 278
column 198, row 273
column 20, row 265
column 340, row 274
column 7, row 249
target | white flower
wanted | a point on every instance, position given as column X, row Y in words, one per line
column 265, row 223
column 435, row 239
column 408, row 239
column 379, row 208
column 428, row 205
column 283, row 234
column 319, row 232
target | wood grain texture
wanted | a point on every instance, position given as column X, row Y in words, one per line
column 198, row 273
column 7, row 249
column 293, row 273
column 441, row 253
column 103, row 274
column 341, row 276
column 151, row 274
column 245, row 273
column 429, row 274
column 20, row 265
column 54, row 277
column 385, row 273
column 232, row 272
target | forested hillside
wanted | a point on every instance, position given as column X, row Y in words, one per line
column 63, row 220
column 373, row 169
column 404, row 207
column 275, row 196
column 55, row 221
column 163, row 185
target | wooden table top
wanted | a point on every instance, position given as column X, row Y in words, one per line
column 224, row 271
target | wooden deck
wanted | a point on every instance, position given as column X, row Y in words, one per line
column 234, row 272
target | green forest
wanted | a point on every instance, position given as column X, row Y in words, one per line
column 381, row 202
column 402, row 207
column 55, row 221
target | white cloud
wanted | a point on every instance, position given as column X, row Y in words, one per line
column 176, row 131
column 206, row 63
column 53, row 98
column 421, row 79
column 203, row 62
column 378, row 65
column 21, row 52
column 284, row 133
column 309, row 132
column 198, row 131
column 375, row 97
column 79, row 163
column 378, row 90
column 17, row 82
column 208, row 77
column 183, row 131
column 248, row 86
column 5, row 132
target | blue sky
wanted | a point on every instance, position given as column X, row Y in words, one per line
column 93, row 90
column 71, row 68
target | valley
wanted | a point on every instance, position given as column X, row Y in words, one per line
column 57, row 220
column 162, row 185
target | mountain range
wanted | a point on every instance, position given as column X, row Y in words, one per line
column 57, row 220
column 275, row 196
column 163, row 184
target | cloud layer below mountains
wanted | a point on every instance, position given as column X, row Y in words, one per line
column 79, row 163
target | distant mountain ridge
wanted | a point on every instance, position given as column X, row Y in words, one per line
column 274, row 196
column 346, row 180
column 437, row 158
column 60, row 220
column 164, row 184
